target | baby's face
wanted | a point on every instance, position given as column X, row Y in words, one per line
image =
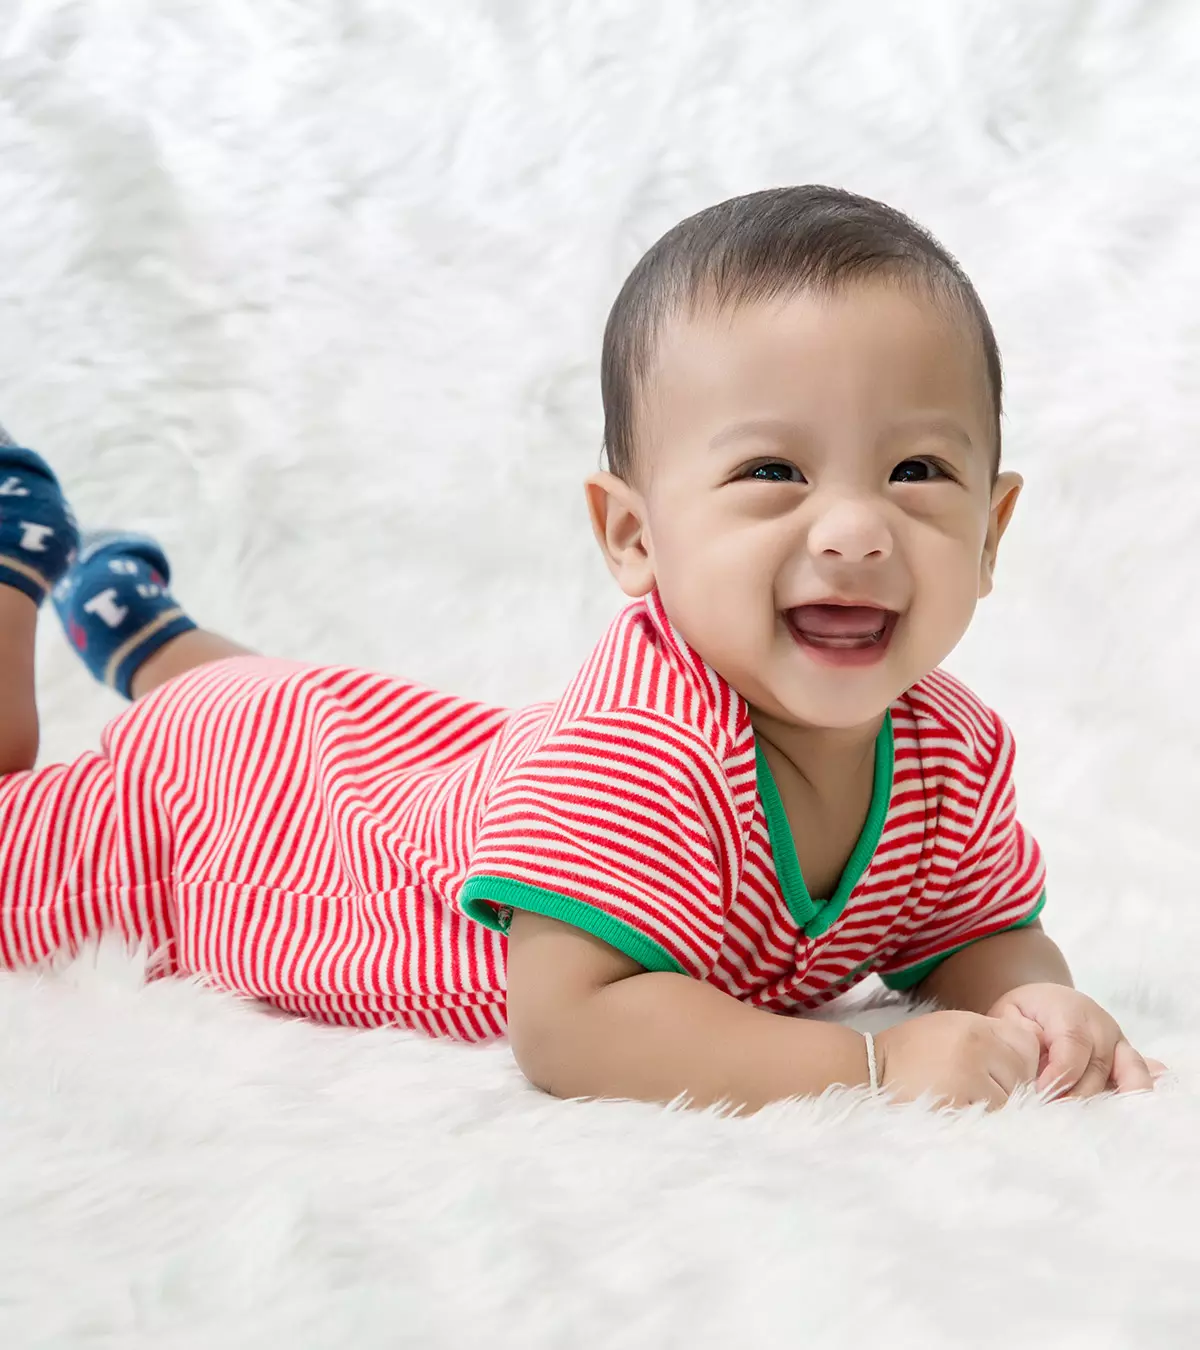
column 817, row 500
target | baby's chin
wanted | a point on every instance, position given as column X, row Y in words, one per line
column 832, row 696
column 841, row 684
column 808, row 709
column 817, row 716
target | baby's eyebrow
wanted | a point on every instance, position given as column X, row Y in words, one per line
column 769, row 428
column 938, row 426
column 779, row 429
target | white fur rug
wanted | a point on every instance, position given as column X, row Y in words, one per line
column 314, row 289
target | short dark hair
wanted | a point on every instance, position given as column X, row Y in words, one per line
column 757, row 247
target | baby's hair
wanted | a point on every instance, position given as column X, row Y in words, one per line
column 759, row 247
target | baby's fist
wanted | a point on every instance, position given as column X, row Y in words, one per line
column 958, row 1058
column 1084, row 1050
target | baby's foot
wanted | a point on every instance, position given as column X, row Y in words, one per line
column 38, row 536
column 116, row 607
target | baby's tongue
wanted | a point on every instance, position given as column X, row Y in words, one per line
column 838, row 621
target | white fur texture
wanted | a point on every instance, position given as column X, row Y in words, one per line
column 314, row 290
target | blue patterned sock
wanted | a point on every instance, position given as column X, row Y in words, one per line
column 38, row 537
column 116, row 607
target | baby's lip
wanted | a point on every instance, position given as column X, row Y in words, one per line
column 844, row 602
column 837, row 633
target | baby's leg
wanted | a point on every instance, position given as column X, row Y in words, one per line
column 182, row 654
column 122, row 620
column 18, row 706
column 37, row 541
column 58, row 830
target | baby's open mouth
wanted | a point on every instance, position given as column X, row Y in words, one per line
column 841, row 627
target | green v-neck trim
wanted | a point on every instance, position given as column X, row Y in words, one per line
column 816, row 917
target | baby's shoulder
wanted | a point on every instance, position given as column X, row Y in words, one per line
column 940, row 712
column 642, row 680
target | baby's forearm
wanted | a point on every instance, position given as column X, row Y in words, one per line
column 974, row 978
column 655, row 1036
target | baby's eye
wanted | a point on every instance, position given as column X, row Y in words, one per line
column 775, row 471
column 917, row 471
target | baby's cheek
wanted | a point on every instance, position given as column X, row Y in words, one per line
column 954, row 591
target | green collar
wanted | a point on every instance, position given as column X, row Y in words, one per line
column 813, row 917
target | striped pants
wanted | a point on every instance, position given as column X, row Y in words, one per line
column 64, row 876
column 246, row 824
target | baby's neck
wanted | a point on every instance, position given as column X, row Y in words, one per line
column 826, row 759
column 825, row 779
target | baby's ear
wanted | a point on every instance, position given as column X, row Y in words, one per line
column 1005, row 491
column 619, row 524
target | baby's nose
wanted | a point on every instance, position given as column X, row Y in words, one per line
column 852, row 529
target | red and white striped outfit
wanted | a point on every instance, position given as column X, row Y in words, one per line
column 349, row 846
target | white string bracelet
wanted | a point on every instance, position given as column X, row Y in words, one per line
column 872, row 1066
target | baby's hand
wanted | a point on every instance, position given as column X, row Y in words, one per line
column 960, row 1058
column 1084, row 1050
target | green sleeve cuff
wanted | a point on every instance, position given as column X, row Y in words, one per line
column 491, row 901
column 913, row 975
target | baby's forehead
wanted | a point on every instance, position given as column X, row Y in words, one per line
column 865, row 323
column 873, row 302
column 790, row 353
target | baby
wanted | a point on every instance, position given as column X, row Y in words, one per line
column 758, row 789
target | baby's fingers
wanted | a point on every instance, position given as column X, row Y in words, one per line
column 1130, row 1072
column 1070, row 1053
column 1096, row 1077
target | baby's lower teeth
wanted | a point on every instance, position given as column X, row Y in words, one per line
column 865, row 639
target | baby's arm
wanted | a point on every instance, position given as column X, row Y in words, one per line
column 587, row 1021
column 976, row 977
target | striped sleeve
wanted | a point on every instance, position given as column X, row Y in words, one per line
column 999, row 883
column 621, row 824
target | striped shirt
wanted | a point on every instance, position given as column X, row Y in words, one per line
column 349, row 846
column 641, row 809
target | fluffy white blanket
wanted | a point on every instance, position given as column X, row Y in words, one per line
column 314, row 289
